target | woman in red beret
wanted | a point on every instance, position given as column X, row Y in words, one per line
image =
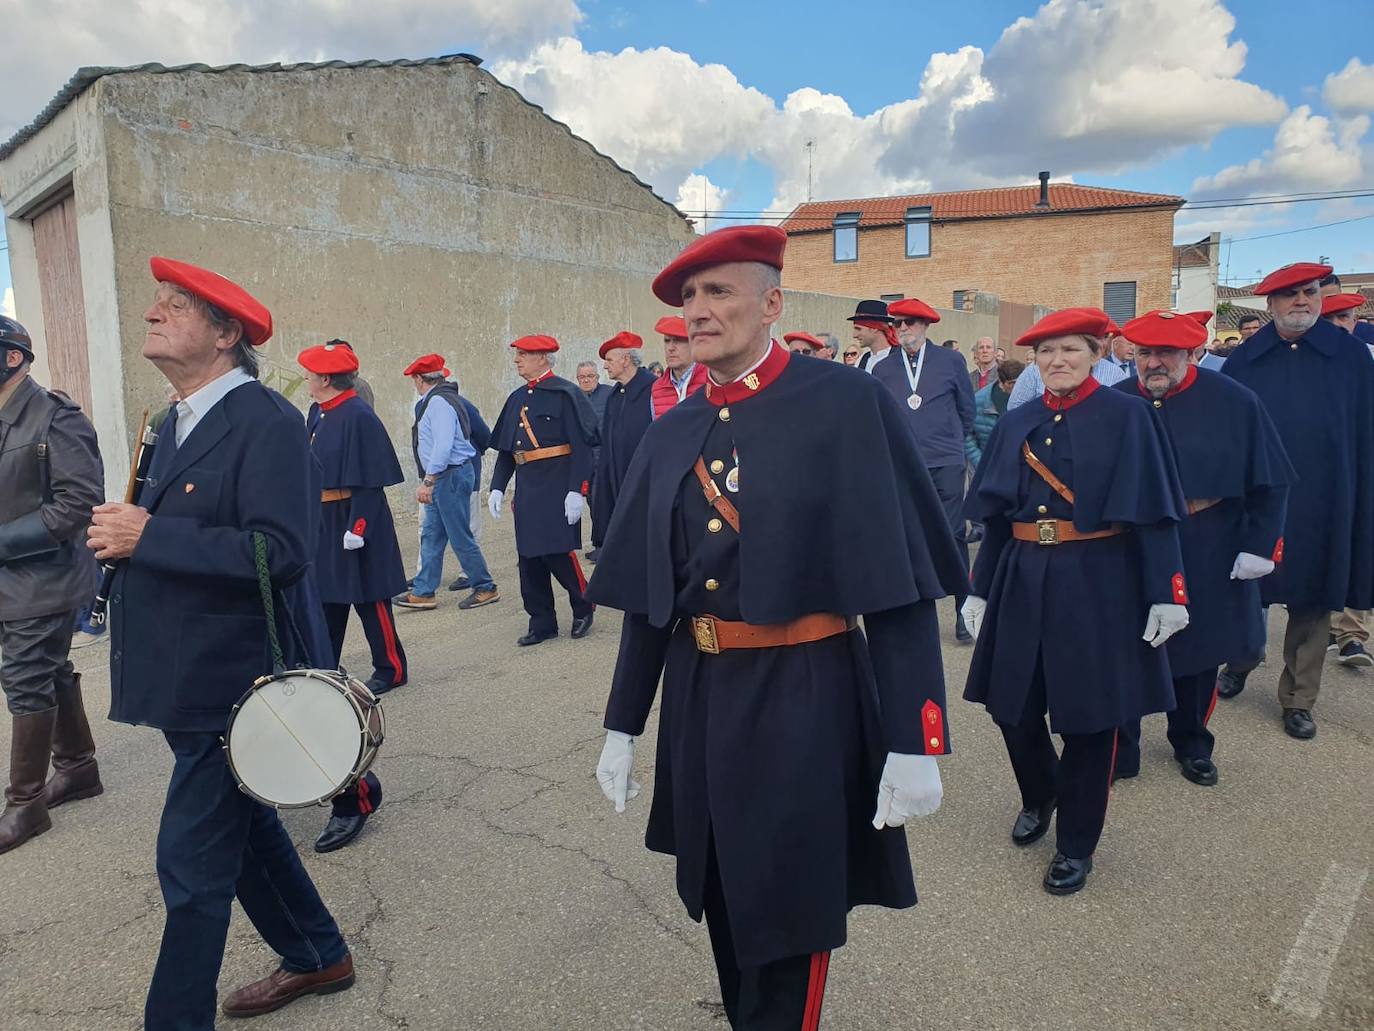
column 1077, row 535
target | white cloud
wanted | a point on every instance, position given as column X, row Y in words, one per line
column 7, row 303
column 697, row 194
column 1350, row 90
column 1310, row 152
column 45, row 41
column 976, row 119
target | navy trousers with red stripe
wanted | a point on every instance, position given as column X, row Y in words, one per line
column 785, row 995
column 536, row 589
column 1079, row 779
column 388, row 657
column 1188, row 733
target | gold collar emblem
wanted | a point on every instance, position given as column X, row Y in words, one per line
column 752, row 381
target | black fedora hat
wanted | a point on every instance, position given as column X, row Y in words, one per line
column 871, row 311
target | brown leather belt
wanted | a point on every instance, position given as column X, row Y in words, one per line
column 335, row 494
column 714, row 636
column 541, row 453
column 1196, row 505
column 1058, row 531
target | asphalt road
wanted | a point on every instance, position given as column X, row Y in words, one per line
column 495, row 888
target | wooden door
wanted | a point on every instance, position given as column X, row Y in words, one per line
column 64, row 305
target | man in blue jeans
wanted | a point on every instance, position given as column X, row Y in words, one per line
column 445, row 459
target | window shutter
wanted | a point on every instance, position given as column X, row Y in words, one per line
column 1118, row 301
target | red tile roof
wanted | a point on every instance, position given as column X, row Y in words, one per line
column 1000, row 202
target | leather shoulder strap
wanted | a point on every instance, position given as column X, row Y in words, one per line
column 1056, row 484
column 714, row 497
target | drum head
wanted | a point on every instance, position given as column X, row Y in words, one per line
column 295, row 740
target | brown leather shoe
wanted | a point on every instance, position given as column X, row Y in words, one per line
column 25, row 815
column 480, row 597
column 282, row 986
column 75, row 773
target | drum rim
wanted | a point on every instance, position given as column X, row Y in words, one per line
column 361, row 762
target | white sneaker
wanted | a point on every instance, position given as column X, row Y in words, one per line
column 82, row 639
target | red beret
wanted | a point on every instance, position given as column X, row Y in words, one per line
column 672, row 326
column 1292, row 275
column 911, row 308
column 1091, row 322
column 1341, row 302
column 805, row 338
column 624, row 339
column 538, row 344
column 230, row 298
column 426, row 363
column 327, row 358
column 1165, row 329
column 1113, row 330
column 1200, row 317
column 763, row 244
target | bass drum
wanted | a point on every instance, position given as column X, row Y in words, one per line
column 298, row 738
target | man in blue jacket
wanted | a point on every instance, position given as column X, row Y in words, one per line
column 189, row 635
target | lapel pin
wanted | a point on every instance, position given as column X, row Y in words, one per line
column 189, row 487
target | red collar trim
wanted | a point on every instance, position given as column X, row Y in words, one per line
column 540, row 378
column 1189, row 378
column 334, row 402
column 1074, row 397
column 747, row 386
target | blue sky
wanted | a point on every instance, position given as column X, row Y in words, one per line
column 1199, row 98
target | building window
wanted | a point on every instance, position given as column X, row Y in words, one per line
column 1118, row 300
column 918, row 232
column 960, row 298
column 889, row 298
column 847, row 236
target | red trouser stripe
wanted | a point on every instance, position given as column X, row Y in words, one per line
column 577, row 570
column 815, row 991
column 364, row 801
column 1211, row 706
column 389, row 639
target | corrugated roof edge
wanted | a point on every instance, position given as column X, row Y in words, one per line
column 84, row 77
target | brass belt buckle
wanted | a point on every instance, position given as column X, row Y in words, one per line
column 704, row 629
column 519, row 457
column 1048, row 530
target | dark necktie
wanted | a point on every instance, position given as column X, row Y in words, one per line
column 165, row 448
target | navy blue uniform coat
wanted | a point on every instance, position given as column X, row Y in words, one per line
column 559, row 413
column 355, row 453
column 627, row 415
column 187, row 631
column 773, row 755
column 1225, row 447
column 1079, row 607
column 1319, row 392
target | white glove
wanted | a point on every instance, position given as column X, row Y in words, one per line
column 494, row 503
column 352, row 542
column 1250, row 567
column 613, row 769
column 1164, row 622
column 910, row 787
column 972, row 611
column 572, row 506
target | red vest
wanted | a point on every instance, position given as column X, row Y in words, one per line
column 664, row 394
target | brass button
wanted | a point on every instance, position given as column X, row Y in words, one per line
column 1049, row 441
column 1159, row 404
column 725, row 415
column 935, row 742
column 1041, row 509
column 714, row 525
column 717, row 467
column 713, row 585
column 1059, row 416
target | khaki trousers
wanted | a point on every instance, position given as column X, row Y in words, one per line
column 1304, row 652
column 1350, row 625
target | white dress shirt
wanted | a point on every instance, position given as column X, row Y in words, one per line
column 190, row 410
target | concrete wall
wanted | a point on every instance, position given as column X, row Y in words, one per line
column 1054, row 260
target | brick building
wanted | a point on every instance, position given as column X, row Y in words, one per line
column 1056, row 245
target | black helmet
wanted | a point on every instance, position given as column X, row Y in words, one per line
column 12, row 334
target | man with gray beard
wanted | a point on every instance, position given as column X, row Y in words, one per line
column 1317, row 383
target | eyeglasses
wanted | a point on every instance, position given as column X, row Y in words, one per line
column 851, row 354
column 906, row 322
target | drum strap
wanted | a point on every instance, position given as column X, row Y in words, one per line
column 265, row 589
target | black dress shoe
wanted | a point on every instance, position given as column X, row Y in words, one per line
column 1124, row 773
column 339, row 831
column 1031, row 825
column 533, row 638
column 592, row 554
column 461, row 584
column 961, row 633
column 1299, row 723
column 1229, row 683
column 581, row 627
column 1199, row 771
column 1066, row 876
column 379, row 687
